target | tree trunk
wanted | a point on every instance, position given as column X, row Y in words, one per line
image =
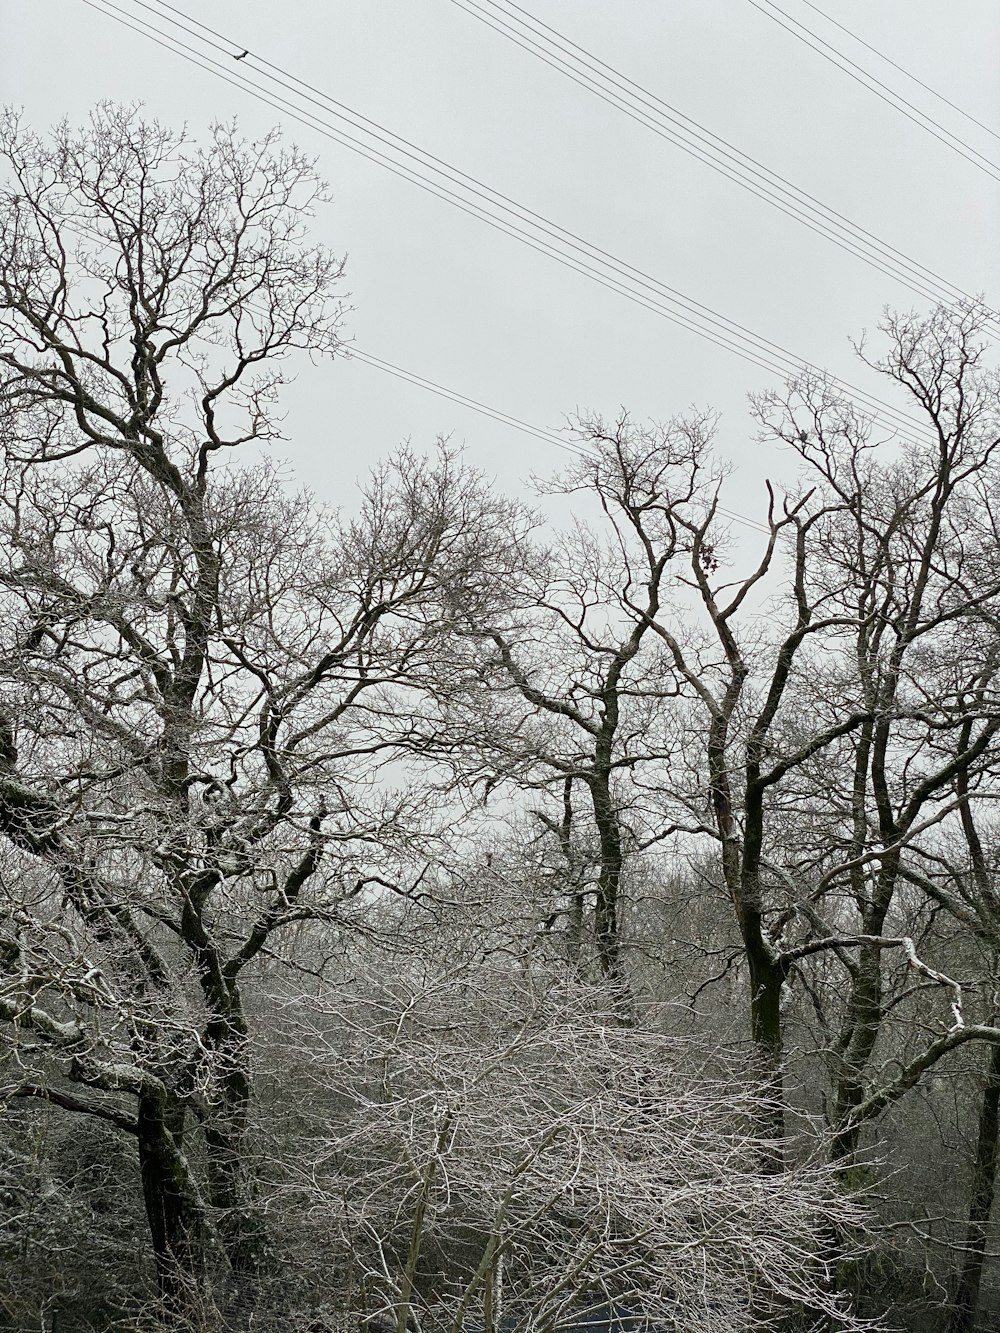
column 963, row 1316
column 863, row 1017
column 230, row 1182
column 609, row 879
column 176, row 1226
column 241, row 1225
column 767, row 977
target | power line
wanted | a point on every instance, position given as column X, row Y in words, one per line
column 874, row 85
column 646, row 108
column 505, row 419
column 355, row 353
column 509, row 224
column 351, row 352
column 907, row 73
column 499, row 211
column 763, row 352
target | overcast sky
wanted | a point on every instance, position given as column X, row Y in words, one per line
column 453, row 300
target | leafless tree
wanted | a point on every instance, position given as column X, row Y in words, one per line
column 244, row 741
column 574, row 666
column 649, row 683
column 908, row 575
column 520, row 1159
column 201, row 672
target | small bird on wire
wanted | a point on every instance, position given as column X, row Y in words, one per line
column 243, row 56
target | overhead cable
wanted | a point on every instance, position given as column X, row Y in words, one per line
column 472, row 196
column 874, row 85
column 356, row 354
column 902, row 70
column 352, row 352
column 511, row 217
column 614, row 88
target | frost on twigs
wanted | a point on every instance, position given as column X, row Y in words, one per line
column 509, row 1153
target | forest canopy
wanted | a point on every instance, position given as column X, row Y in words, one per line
column 424, row 916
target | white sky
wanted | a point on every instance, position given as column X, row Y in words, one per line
column 454, row 301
